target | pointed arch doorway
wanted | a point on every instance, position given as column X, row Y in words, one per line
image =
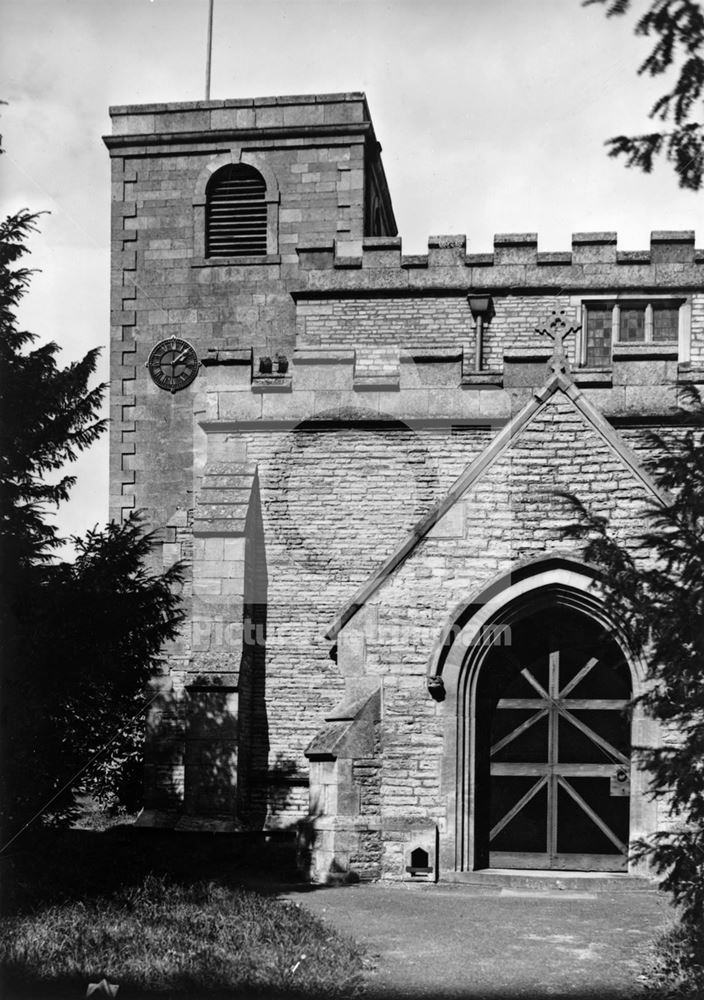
column 552, row 746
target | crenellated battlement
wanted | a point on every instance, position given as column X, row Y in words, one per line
column 592, row 258
column 379, row 436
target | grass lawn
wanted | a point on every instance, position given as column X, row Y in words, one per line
column 161, row 938
column 674, row 969
column 166, row 915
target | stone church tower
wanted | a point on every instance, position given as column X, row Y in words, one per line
column 359, row 455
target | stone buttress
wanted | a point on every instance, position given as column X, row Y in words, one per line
column 368, row 466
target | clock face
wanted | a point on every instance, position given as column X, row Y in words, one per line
column 173, row 364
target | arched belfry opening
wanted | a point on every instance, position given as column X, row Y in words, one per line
column 552, row 746
column 236, row 212
column 540, row 770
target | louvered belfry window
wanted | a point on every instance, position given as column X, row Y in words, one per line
column 236, row 213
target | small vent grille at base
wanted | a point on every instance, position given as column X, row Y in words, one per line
column 236, row 213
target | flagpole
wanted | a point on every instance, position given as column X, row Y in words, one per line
column 210, row 50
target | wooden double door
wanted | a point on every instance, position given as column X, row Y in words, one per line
column 553, row 748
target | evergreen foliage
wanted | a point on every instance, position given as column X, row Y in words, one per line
column 48, row 414
column 660, row 605
column 80, row 640
column 678, row 27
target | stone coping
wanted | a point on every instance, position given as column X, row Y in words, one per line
column 238, row 102
column 595, row 258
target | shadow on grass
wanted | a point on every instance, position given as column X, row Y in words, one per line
column 83, row 865
column 70, row 991
column 55, row 866
column 167, row 939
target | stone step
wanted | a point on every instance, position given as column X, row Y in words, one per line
column 551, row 881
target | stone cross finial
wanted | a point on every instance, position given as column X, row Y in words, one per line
column 557, row 329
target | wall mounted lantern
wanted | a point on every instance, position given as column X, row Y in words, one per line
column 482, row 310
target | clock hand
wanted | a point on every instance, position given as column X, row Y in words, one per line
column 180, row 357
column 174, row 361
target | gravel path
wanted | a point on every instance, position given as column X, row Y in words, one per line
column 467, row 941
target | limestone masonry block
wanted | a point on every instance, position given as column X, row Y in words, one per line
column 398, row 469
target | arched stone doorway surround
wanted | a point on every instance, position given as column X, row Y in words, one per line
column 556, row 581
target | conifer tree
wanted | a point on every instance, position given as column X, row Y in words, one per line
column 678, row 29
column 660, row 604
column 80, row 639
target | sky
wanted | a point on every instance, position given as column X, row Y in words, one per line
column 492, row 115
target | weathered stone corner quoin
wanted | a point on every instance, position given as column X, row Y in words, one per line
column 362, row 458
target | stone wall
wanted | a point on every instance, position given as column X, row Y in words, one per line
column 313, row 153
column 286, row 493
column 334, row 501
column 512, row 513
